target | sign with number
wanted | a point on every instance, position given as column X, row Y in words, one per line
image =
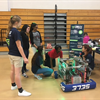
column 76, row 38
column 77, row 87
column 81, row 87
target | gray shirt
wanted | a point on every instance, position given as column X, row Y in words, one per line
column 36, row 38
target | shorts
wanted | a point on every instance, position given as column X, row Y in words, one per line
column 17, row 61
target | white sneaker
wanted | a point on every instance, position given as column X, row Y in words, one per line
column 38, row 77
column 13, row 87
column 24, row 93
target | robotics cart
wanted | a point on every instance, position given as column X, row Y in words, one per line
column 74, row 79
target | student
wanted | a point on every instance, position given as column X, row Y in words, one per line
column 87, row 50
column 37, row 65
column 16, row 54
column 51, row 55
column 25, row 41
column 35, row 37
column 86, row 38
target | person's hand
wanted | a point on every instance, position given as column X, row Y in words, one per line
column 36, row 47
column 41, row 44
column 52, row 68
column 83, row 57
column 25, row 60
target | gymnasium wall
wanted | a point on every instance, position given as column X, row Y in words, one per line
column 3, row 5
column 7, row 5
column 90, row 18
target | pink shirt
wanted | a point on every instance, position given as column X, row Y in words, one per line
column 86, row 39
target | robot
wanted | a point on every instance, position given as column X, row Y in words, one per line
column 74, row 79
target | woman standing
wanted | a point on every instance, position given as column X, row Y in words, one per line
column 35, row 37
column 25, row 40
column 15, row 54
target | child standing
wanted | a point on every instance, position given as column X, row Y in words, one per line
column 25, row 40
column 35, row 37
column 16, row 54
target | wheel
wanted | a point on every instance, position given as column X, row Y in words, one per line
column 78, row 87
column 55, row 75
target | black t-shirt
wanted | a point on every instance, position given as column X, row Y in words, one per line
column 90, row 59
column 25, row 41
column 36, row 65
column 14, row 35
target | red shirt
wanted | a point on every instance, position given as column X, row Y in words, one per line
column 53, row 54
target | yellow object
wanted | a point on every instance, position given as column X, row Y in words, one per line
column 93, row 48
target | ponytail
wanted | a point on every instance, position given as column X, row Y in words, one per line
column 9, row 27
column 38, row 53
column 12, row 21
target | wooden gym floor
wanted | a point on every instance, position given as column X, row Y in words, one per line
column 46, row 89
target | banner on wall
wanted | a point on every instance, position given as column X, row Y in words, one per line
column 76, row 38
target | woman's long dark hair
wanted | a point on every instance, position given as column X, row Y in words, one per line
column 38, row 53
column 24, row 28
column 32, row 27
column 88, row 48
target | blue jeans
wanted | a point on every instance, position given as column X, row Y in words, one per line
column 45, row 71
column 24, row 65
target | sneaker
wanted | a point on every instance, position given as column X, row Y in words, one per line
column 38, row 77
column 13, row 87
column 24, row 75
column 24, row 93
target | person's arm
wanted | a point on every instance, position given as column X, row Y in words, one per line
column 17, row 39
column 40, row 38
column 61, row 55
column 18, row 43
column 35, row 46
column 41, row 44
column 84, row 57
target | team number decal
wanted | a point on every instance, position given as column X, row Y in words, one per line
column 80, row 87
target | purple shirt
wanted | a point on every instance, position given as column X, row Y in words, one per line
column 86, row 39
